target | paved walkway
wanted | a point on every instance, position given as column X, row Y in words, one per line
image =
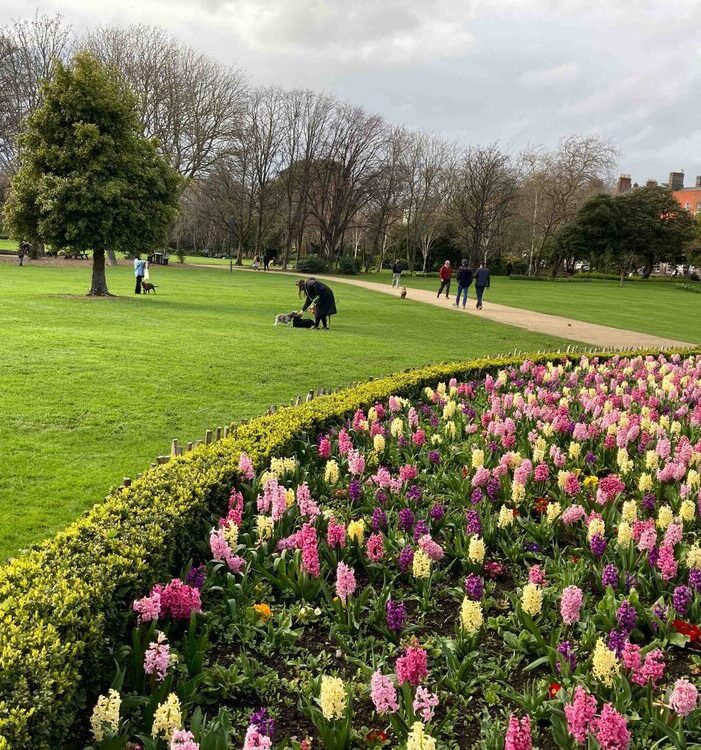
column 553, row 325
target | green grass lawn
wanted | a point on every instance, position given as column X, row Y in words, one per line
column 650, row 307
column 93, row 390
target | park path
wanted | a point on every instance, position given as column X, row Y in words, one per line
column 552, row 325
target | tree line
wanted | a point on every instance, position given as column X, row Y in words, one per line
column 303, row 173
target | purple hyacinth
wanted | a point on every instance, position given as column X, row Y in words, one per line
column 630, row 583
column 476, row 496
column 420, row 529
column 406, row 519
column 695, row 579
column 660, row 612
column 617, row 641
column 402, row 442
column 262, row 721
column 653, row 556
column 396, row 615
column 589, row 458
column 531, row 546
column 493, row 486
column 474, row 525
column 434, row 457
column 474, row 587
column 379, row 519
column 492, row 446
column 434, row 421
column 567, row 653
column 406, row 558
column 609, row 576
column 649, row 502
column 381, row 497
column 195, row 577
column 414, row 493
column 355, row 490
column 626, row 616
column 681, row 599
column 437, row 512
column 598, row 545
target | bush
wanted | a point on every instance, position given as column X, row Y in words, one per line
column 64, row 605
column 519, row 277
column 348, row 266
column 312, row 264
column 689, row 288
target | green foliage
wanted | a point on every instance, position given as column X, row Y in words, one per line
column 312, row 264
column 88, row 179
column 63, row 604
column 348, row 266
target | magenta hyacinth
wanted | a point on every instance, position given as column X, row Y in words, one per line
column 610, row 729
column 518, row 734
column 412, row 665
column 580, row 714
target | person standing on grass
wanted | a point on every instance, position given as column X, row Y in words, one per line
column 481, row 283
column 319, row 295
column 139, row 270
column 446, row 274
column 464, row 281
column 396, row 274
column 23, row 252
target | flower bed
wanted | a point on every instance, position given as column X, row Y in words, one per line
column 509, row 561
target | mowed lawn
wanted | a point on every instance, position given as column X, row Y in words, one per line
column 649, row 307
column 93, row 390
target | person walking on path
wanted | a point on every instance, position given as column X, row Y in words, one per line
column 464, row 281
column 139, row 270
column 319, row 295
column 396, row 273
column 23, row 252
column 481, row 283
column 446, row 274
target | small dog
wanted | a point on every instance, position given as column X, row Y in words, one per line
column 403, row 294
column 148, row 287
column 285, row 319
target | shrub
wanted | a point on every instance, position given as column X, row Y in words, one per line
column 348, row 266
column 689, row 288
column 312, row 264
column 64, row 605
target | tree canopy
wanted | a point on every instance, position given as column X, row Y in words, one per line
column 88, row 178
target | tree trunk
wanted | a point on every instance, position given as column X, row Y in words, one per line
column 111, row 258
column 99, row 280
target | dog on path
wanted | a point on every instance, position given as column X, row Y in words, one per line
column 403, row 294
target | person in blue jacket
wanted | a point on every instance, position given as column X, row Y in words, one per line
column 139, row 268
column 481, row 283
column 464, row 281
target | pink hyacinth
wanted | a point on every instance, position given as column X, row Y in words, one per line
column 571, row 604
column 610, row 729
column 345, row 581
column 419, row 437
column 407, row 472
column 306, row 541
column 413, row 418
column 246, row 466
column 157, row 658
column 573, row 514
column 254, row 740
column 536, row 576
column 425, row 703
column 684, row 697
column 307, row 507
column 179, row 601
column 674, row 534
column 431, row 548
column 580, row 714
column 335, row 534
column 383, row 694
column 481, row 477
column 222, row 551
column 571, row 486
column 324, row 447
column 183, row 740
column 375, row 547
column 235, row 512
column 541, row 473
column 345, row 444
column 412, row 666
column 356, row 463
column 667, row 563
column 609, row 488
column 149, row 608
column 518, row 734
column 288, row 542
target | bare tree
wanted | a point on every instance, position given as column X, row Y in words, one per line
column 28, row 49
column 482, row 198
column 191, row 103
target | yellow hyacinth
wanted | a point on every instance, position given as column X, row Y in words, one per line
column 231, row 534
column 477, row 458
column 625, row 463
column 471, row 617
column 450, row 429
column 290, row 498
column 356, row 531
column 693, row 557
column 506, row 516
column 418, row 739
column 629, row 512
column 692, row 478
column 575, row 450
column 372, row 414
column 331, row 472
column 532, row 599
column 396, row 427
column 596, row 526
column 518, row 492
column 106, row 714
column 605, row 666
column 167, row 719
column 421, row 566
column 645, row 482
column 652, row 460
column 476, row 549
column 553, row 511
column 449, row 410
column 264, row 527
column 665, row 516
column 332, row 697
column 687, row 510
column 378, row 443
column 625, row 534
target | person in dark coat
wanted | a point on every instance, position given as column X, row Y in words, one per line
column 23, row 252
column 481, row 283
column 321, row 297
column 464, row 281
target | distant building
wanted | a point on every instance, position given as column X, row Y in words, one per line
column 624, row 184
column 689, row 198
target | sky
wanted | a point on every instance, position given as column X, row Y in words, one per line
column 518, row 72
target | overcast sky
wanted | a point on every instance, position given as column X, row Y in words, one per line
column 515, row 71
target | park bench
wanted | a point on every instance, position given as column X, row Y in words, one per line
column 159, row 259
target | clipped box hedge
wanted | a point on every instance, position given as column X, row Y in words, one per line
column 65, row 603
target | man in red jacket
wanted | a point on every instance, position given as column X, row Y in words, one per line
column 446, row 274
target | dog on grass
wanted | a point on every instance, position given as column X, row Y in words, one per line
column 148, row 287
column 293, row 319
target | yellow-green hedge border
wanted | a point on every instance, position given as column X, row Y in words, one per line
column 64, row 604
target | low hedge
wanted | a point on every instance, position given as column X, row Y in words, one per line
column 63, row 605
